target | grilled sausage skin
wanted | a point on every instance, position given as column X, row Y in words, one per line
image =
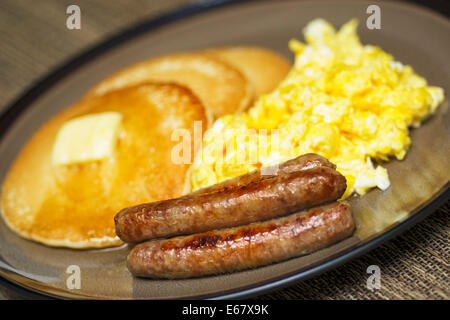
column 269, row 198
column 303, row 162
column 239, row 248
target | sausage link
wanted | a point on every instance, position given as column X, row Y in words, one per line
column 272, row 197
column 244, row 247
column 303, row 162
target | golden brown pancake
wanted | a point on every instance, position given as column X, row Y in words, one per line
column 221, row 87
column 74, row 205
column 264, row 68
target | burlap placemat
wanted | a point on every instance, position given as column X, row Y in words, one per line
column 35, row 39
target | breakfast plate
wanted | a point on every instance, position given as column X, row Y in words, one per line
column 419, row 183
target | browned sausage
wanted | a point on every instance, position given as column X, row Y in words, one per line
column 244, row 247
column 303, row 162
column 266, row 199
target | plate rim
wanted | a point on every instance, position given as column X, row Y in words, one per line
column 14, row 109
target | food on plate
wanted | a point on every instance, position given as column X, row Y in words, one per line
column 96, row 137
column 100, row 155
column 114, row 147
column 222, row 88
column 267, row 198
column 304, row 162
column 317, row 129
column 351, row 103
column 264, row 68
column 244, row 247
column 226, row 79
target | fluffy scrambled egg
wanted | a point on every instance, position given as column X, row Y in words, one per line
column 348, row 102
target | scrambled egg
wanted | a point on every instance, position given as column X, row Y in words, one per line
column 348, row 102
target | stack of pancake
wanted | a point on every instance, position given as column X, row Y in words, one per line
column 74, row 205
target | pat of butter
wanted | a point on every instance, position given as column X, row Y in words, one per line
column 86, row 138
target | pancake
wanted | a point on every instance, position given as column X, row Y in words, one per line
column 74, row 206
column 264, row 68
column 221, row 87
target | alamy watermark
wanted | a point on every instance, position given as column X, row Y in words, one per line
column 374, row 20
column 374, row 280
column 244, row 148
column 73, row 281
column 73, row 21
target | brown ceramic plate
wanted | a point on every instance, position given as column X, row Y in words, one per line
column 414, row 35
